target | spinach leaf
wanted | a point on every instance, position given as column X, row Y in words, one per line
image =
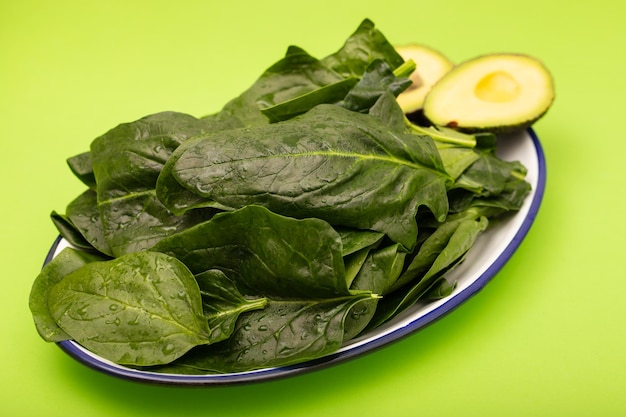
column 353, row 264
column 298, row 82
column 223, row 303
column 265, row 253
column 83, row 213
column 80, row 165
column 365, row 45
column 330, row 93
column 126, row 162
column 356, row 245
column 510, row 198
column 377, row 80
column 379, row 271
column 69, row 232
column 128, row 158
column 142, row 308
column 457, row 160
column 490, row 182
column 138, row 222
column 284, row 333
column 353, row 240
column 66, row 262
column 488, row 175
column 351, row 93
column 297, row 74
column 442, row 251
column 340, row 166
column 440, row 289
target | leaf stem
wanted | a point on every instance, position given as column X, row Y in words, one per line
column 518, row 174
column 404, row 70
column 456, row 138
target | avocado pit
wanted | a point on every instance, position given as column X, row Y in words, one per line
column 497, row 87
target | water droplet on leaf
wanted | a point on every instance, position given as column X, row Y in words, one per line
column 169, row 348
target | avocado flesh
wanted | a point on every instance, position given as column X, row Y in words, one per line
column 431, row 65
column 495, row 93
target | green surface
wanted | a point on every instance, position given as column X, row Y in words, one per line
column 544, row 338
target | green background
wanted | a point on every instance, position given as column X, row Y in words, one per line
column 544, row 338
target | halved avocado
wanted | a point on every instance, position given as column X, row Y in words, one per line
column 431, row 65
column 496, row 93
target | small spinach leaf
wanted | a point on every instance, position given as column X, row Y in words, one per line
column 354, row 240
column 81, row 166
column 223, row 303
column 488, row 175
column 365, row 45
column 440, row 289
column 331, row 93
column 353, row 264
column 83, row 213
column 69, row 232
column 441, row 252
column 379, row 271
column 377, row 80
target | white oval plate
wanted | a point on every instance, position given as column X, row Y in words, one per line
column 491, row 251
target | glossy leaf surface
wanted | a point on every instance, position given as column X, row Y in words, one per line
column 142, row 308
column 340, row 166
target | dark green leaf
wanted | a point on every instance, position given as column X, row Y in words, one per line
column 364, row 46
column 138, row 222
column 127, row 161
column 354, row 240
column 381, row 269
column 441, row 252
column 223, row 303
column 353, row 264
column 141, row 309
column 299, row 81
column 69, row 232
column 440, row 289
column 284, row 333
column 331, row 93
column 80, row 165
column 66, row 262
column 378, row 273
column 510, row 198
column 264, row 253
column 343, row 167
column 377, row 80
column 295, row 75
column 488, row 175
column 84, row 214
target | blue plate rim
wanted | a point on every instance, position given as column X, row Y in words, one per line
column 454, row 301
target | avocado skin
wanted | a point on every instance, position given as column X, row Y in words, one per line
column 510, row 128
column 418, row 118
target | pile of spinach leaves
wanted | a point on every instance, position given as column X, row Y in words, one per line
column 307, row 211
